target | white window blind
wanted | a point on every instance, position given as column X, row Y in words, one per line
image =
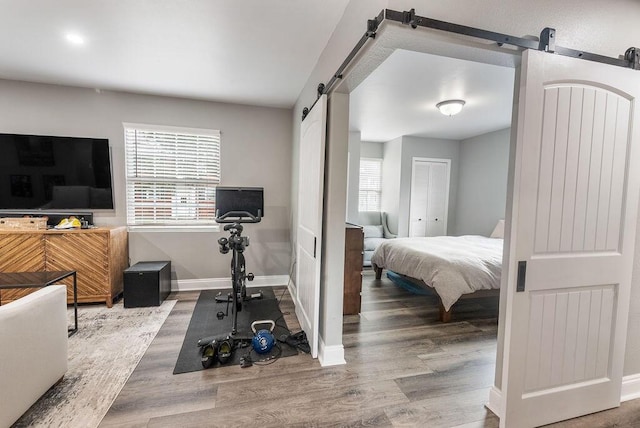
column 370, row 184
column 172, row 175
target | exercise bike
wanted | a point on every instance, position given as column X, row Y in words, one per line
column 239, row 276
column 237, row 205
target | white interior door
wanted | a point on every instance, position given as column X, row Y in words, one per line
column 429, row 197
column 309, row 227
column 438, row 198
column 574, row 215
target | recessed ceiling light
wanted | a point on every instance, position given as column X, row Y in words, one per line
column 74, row 38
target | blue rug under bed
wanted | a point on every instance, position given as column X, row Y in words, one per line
column 405, row 283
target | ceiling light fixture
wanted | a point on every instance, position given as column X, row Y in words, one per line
column 450, row 107
column 74, row 39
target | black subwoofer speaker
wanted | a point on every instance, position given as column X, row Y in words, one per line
column 147, row 284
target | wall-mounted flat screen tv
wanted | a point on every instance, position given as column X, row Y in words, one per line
column 48, row 172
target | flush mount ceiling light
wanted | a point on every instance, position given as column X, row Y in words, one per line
column 450, row 107
column 74, row 38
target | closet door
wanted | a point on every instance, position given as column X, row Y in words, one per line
column 429, row 197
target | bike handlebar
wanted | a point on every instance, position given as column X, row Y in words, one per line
column 239, row 217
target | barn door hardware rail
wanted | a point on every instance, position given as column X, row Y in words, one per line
column 546, row 43
column 372, row 28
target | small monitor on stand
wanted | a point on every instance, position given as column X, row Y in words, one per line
column 239, row 204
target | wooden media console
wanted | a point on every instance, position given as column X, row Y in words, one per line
column 98, row 255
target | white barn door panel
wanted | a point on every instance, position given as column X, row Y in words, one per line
column 309, row 228
column 574, row 218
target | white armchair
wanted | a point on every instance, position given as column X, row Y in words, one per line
column 376, row 230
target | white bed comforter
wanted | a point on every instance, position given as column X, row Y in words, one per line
column 452, row 265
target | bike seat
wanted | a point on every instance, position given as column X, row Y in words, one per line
column 236, row 226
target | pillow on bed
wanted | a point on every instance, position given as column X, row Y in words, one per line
column 498, row 231
column 373, row 231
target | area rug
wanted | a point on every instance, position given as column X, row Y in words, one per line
column 204, row 323
column 403, row 282
column 102, row 355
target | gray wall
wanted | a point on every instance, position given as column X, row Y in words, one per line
column 255, row 151
column 482, row 183
column 358, row 149
column 370, row 149
column 396, row 177
column 391, row 176
column 589, row 25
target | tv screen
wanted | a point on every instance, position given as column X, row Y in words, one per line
column 48, row 172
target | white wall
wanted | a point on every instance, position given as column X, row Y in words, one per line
column 255, row 151
column 353, row 183
column 606, row 28
column 482, row 182
column 333, row 225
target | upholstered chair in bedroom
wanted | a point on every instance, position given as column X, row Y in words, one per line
column 376, row 230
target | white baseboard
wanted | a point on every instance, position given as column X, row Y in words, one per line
column 630, row 387
column 293, row 291
column 330, row 355
column 630, row 391
column 220, row 283
column 495, row 401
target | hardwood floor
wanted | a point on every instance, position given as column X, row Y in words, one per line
column 404, row 368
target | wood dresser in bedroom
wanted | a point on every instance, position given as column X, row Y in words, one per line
column 353, row 253
column 98, row 255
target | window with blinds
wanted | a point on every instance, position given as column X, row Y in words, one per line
column 370, row 184
column 172, row 175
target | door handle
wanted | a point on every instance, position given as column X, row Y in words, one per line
column 522, row 274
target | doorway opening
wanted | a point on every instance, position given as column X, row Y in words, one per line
column 393, row 117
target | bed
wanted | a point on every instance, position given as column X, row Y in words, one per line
column 453, row 266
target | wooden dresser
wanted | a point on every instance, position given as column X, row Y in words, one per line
column 353, row 251
column 98, row 255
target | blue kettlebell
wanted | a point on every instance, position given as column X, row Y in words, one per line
column 263, row 340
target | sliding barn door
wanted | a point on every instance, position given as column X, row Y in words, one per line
column 574, row 219
column 309, row 228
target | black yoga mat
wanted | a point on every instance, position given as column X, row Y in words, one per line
column 204, row 323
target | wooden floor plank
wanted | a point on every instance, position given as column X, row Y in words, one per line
column 404, row 368
column 442, row 411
